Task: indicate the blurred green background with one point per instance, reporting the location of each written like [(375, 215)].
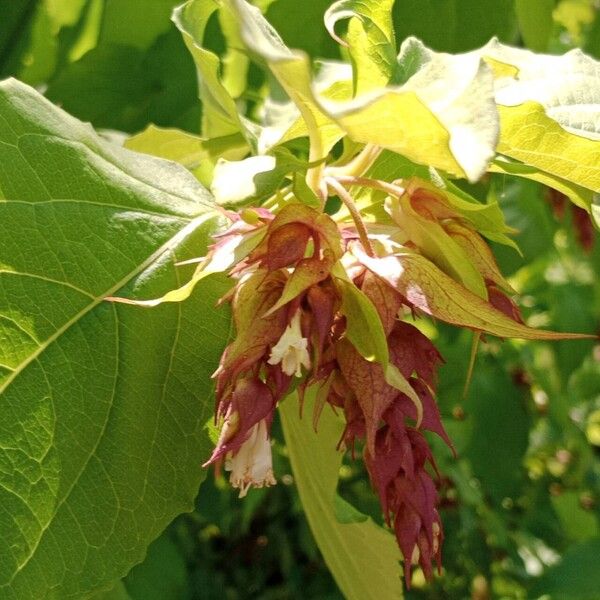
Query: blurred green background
[(521, 503)]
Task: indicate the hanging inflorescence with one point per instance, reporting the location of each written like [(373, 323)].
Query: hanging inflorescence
[(303, 286)]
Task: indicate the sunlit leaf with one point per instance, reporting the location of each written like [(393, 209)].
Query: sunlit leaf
[(550, 111), (444, 115), (438, 246), (370, 37), (220, 115), (544, 144), (185, 148), (293, 72), (103, 405), (430, 290), (578, 194)]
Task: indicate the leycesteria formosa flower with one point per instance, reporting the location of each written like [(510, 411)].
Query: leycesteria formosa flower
[(291, 351), (328, 304)]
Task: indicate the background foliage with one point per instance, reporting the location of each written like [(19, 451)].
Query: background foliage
[(521, 504)]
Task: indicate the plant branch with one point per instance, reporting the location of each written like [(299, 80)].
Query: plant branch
[(348, 201), (358, 165), (377, 184)]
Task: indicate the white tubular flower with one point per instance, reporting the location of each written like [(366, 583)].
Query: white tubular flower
[(291, 350), (252, 464)]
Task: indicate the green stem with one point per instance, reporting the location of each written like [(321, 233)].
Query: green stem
[(348, 201), (377, 184), (358, 165)]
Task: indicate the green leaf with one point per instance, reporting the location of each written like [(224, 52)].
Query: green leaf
[(103, 405), (117, 592), (544, 144), (333, 82), (455, 25), (579, 195), (299, 25), (438, 295), (535, 22), (122, 87), (193, 152), (346, 513), (38, 37), (444, 115), (487, 219), (357, 553), (575, 577), (363, 325), (558, 97), (220, 115), (370, 37), (122, 22), (163, 574), (435, 243), (292, 71)]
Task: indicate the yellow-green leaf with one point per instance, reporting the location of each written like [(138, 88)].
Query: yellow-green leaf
[(529, 135), (444, 115), (291, 69), (220, 115), (370, 37), (359, 553), (578, 194), (430, 290)]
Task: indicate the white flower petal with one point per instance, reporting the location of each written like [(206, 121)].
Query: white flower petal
[(291, 350), (252, 464)]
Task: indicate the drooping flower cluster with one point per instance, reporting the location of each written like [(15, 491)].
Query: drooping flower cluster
[(297, 280), (326, 305)]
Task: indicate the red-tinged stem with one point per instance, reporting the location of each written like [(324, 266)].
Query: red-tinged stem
[(348, 201)]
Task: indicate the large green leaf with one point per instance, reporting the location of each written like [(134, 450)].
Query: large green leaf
[(121, 22), (36, 36), (299, 24), (103, 405), (362, 557), (123, 87)]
